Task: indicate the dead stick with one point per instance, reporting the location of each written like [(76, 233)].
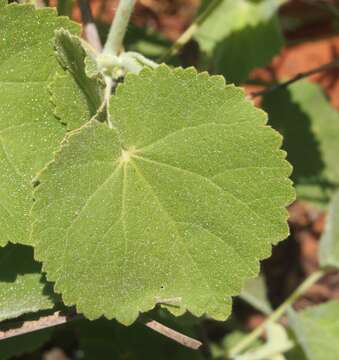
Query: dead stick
[(18, 328), (21, 328), (329, 66), (172, 334)]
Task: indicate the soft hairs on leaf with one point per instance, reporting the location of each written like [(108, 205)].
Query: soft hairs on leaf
[(76, 97), (179, 201), (29, 132)]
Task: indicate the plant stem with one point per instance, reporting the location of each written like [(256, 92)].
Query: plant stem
[(188, 34), (325, 67), (107, 95), (20, 328), (90, 29), (118, 28), (300, 290), (172, 334)]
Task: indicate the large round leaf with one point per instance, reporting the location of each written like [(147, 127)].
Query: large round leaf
[(176, 204)]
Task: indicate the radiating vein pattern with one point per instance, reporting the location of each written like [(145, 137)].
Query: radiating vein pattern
[(180, 200)]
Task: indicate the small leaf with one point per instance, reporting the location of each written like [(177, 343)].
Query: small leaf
[(316, 330), (255, 293), (246, 49), (329, 242), (29, 132), (77, 97), (166, 205), (239, 36), (276, 345), (22, 289), (310, 127)]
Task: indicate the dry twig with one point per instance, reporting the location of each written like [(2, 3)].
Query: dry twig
[(325, 67), (21, 328)]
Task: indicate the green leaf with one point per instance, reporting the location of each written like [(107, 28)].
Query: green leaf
[(64, 7), (277, 343), (296, 353), (76, 97), (329, 242), (22, 289), (166, 205), (247, 49), (24, 344), (255, 293), (29, 132), (103, 339), (146, 41), (310, 127), (240, 36), (231, 16), (317, 330), (222, 349)]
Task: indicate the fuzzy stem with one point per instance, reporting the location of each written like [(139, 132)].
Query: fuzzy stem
[(276, 315), (118, 28), (188, 34)]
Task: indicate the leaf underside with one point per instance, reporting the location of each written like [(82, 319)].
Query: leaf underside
[(168, 204)]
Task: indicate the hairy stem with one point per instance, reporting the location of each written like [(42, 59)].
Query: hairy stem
[(107, 95), (276, 315), (118, 28), (188, 34)]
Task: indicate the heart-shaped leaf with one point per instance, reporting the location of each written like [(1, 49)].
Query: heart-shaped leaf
[(174, 205)]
